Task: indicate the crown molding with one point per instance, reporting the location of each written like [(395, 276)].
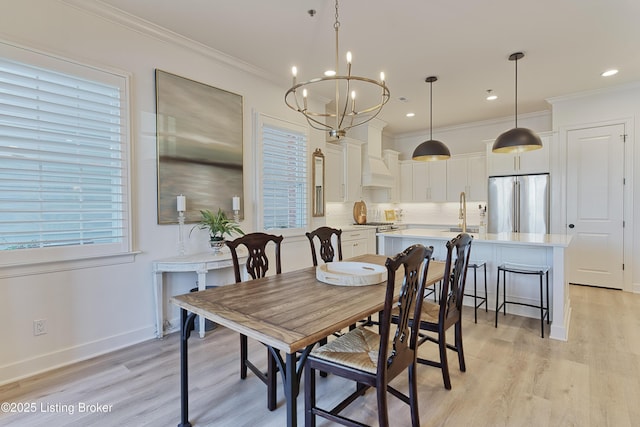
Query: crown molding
[(119, 17), (594, 92)]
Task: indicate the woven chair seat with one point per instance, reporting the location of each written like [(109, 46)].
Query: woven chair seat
[(357, 349)]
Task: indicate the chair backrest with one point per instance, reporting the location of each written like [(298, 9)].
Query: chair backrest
[(327, 250), (396, 354), (452, 290), (257, 261)]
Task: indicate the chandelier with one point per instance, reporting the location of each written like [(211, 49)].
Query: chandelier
[(344, 113)]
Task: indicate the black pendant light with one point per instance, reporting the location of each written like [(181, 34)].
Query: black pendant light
[(517, 139), (431, 150)]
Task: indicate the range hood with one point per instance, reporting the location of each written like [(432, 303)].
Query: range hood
[(375, 173)]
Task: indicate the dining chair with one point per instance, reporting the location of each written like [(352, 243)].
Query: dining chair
[(327, 248), (373, 359), (257, 266), (436, 318)]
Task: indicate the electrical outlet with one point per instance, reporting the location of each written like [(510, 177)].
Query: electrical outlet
[(39, 327)]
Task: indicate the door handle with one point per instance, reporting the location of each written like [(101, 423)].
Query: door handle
[(571, 225)]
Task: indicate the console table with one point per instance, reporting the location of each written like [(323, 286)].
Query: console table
[(201, 264)]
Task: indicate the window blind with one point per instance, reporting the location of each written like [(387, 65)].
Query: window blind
[(284, 183), (62, 167)]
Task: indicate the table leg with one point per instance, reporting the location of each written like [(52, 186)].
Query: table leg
[(291, 370), (202, 285), (158, 295), (186, 326)]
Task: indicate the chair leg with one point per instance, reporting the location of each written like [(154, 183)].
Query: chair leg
[(541, 309), (458, 338), (548, 306), (413, 395), (475, 295), (243, 356), (272, 379), (309, 396), (486, 298), (497, 296), (444, 363), (383, 416)]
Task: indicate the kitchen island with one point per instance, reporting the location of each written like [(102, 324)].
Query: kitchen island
[(495, 249)]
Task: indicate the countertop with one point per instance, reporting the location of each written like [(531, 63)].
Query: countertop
[(528, 239)]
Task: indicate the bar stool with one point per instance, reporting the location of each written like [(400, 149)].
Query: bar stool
[(483, 300), (540, 271)]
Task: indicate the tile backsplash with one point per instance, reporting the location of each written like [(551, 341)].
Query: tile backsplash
[(411, 213)]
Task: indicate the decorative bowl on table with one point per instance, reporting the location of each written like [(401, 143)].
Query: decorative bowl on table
[(351, 273)]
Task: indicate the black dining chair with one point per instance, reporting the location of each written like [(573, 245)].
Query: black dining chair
[(436, 318), (257, 266), (373, 359), (330, 242)]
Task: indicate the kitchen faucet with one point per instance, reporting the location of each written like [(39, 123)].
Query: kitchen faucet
[(463, 212)]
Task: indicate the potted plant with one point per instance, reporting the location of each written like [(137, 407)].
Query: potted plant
[(218, 225)]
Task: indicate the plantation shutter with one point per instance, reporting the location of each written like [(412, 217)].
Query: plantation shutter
[(62, 167), (284, 184)]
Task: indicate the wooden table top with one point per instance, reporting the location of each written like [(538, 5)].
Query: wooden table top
[(293, 310)]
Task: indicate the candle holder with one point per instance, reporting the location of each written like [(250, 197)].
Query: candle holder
[(236, 215), (181, 250)]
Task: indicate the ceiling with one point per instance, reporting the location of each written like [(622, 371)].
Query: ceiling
[(465, 43)]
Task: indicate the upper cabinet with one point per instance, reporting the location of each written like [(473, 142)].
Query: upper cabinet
[(343, 176), (423, 181), (352, 169), (334, 173), (528, 162), (468, 173)]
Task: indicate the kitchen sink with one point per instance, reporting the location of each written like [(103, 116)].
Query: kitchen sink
[(469, 229)]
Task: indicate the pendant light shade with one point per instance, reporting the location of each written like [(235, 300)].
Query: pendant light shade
[(517, 139), (431, 150)]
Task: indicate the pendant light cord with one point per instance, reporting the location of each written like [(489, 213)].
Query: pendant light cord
[(431, 110), (516, 103)]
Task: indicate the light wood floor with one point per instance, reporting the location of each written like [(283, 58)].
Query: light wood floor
[(513, 378)]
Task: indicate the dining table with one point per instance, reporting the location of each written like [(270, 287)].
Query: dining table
[(289, 313)]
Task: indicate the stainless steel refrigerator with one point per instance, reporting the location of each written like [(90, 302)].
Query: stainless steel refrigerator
[(518, 203)]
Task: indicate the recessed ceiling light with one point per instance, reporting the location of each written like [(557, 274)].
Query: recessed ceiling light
[(609, 73), (490, 96), (411, 114), (329, 73)]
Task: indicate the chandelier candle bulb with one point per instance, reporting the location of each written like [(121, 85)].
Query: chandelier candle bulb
[(181, 203), (382, 76)]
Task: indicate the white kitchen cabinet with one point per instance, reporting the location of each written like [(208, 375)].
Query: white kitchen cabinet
[(358, 242), (352, 169), (334, 173), (343, 176), (528, 162), (391, 195), (406, 181), (468, 173), (430, 181)]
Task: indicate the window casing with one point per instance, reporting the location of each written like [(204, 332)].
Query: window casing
[(283, 178), (64, 159)]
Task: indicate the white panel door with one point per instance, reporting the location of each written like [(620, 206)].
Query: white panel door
[(595, 174)]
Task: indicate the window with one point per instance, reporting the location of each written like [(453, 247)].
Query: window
[(284, 180), (63, 159)]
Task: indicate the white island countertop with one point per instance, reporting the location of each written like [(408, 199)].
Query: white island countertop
[(528, 239), (496, 249)]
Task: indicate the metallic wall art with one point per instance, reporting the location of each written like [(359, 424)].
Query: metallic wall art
[(199, 147)]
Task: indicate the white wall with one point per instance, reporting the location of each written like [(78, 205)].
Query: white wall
[(470, 137), (96, 310), (617, 105)]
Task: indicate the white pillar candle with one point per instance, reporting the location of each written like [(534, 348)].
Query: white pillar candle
[(236, 203), (181, 203)]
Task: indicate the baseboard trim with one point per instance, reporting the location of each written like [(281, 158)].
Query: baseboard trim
[(46, 362)]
